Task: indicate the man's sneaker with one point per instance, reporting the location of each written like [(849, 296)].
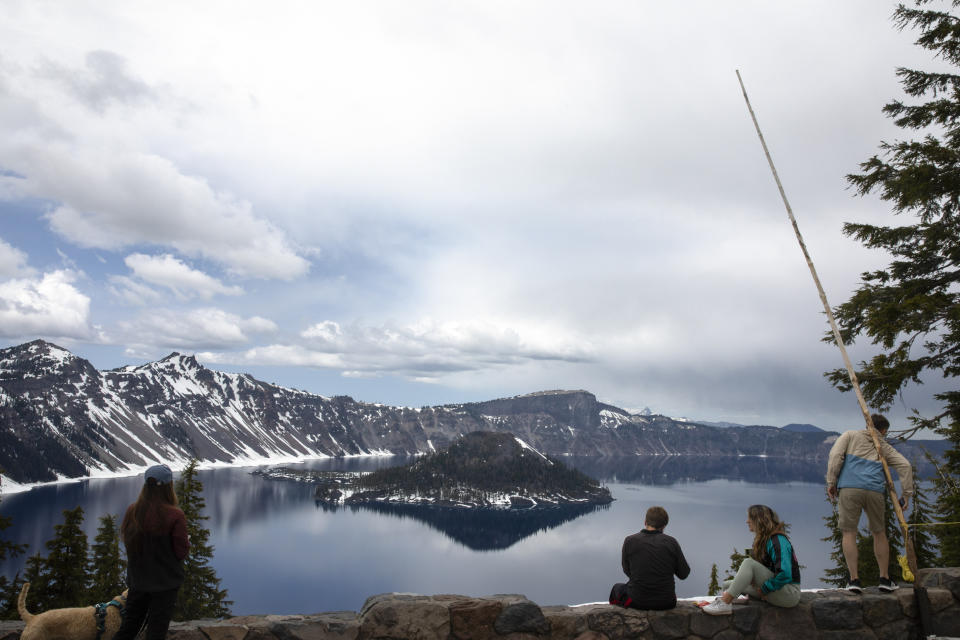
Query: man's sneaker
[(888, 585), (718, 608), (853, 586)]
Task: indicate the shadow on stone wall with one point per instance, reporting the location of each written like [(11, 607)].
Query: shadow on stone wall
[(823, 615)]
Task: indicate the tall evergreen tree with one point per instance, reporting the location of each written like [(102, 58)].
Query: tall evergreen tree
[(66, 563), (945, 486), (200, 595), (910, 308), (867, 568), (895, 536), (736, 559), (713, 588), (60, 579), (924, 539), (8, 549), (38, 575), (8, 598), (836, 574), (107, 564)]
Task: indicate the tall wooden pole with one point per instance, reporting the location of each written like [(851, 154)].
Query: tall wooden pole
[(908, 543)]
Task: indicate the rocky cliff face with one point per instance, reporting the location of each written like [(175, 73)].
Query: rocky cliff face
[(60, 417)]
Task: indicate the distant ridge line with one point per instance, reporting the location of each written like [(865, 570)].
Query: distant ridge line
[(62, 418)]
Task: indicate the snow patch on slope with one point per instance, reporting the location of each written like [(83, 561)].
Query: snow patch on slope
[(528, 447)]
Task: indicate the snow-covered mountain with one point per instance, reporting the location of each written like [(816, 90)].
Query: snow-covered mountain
[(62, 418)]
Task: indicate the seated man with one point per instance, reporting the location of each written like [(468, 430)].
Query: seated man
[(650, 559)]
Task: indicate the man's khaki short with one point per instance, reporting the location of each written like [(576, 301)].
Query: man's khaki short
[(855, 501)]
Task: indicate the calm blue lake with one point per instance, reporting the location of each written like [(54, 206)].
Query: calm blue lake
[(277, 551)]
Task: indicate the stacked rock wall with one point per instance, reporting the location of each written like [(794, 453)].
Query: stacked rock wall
[(823, 615)]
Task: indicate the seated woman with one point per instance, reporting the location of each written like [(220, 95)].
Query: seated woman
[(772, 573)]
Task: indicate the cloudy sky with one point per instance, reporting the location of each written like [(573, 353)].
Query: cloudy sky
[(428, 201)]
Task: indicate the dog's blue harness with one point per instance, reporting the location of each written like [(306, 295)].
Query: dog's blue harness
[(100, 613)]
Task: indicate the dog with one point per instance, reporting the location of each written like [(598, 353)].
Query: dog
[(75, 623)]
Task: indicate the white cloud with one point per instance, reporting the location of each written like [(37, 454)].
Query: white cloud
[(283, 355), (49, 306), (185, 282), (203, 328), (579, 208), (133, 292), (490, 338), (257, 324), (13, 262), (112, 199), (104, 80), (108, 186), (423, 350)]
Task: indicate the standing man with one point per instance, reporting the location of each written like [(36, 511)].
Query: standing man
[(855, 474), (650, 558)]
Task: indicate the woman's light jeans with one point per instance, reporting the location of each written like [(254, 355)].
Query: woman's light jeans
[(751, 575)]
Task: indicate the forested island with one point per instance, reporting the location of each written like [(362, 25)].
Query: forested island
[(480, 470)]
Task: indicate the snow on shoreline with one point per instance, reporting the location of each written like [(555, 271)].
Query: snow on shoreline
[(696, 599), (8, 486)]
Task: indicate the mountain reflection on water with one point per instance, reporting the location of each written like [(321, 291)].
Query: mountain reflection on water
[(496, 529), (277, 552), (480, 529)]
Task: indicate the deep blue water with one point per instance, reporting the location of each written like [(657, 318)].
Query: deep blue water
[(277, 551)]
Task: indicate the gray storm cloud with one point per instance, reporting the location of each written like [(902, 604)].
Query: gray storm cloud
[(487, 197)]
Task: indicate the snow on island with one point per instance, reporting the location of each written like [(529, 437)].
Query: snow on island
[(480, 470)]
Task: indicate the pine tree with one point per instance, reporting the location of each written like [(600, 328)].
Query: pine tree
[(107, 564), (60, 579), (736, 559), (200, 595), (713, 588), (947, 489), (836, 575), (895, 536), (38, 575), (867, 568), (66, 562), (946, 486), (8, 598), (8, 549), (921, 513), (910, 308)]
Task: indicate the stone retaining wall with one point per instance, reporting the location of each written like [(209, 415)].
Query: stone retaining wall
[(823, 615)]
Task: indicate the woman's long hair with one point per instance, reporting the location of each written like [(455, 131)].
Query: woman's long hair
[(766, 524), (153, 498)]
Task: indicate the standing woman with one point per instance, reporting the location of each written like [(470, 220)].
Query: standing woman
[(771, 573), (154, 531)]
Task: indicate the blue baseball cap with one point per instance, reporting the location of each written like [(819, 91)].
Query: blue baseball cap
[(160, 473)]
